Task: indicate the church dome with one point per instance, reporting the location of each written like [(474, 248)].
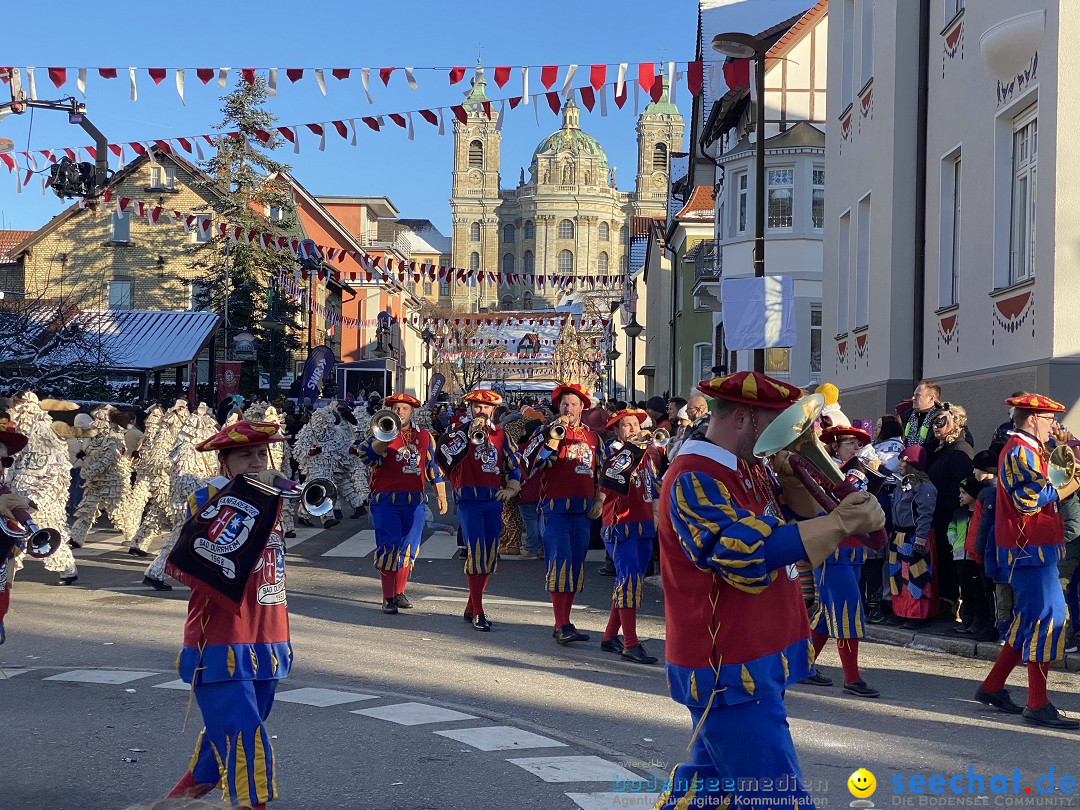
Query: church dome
[(570, 138)]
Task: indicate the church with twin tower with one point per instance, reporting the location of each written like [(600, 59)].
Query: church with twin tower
[(567, 216)]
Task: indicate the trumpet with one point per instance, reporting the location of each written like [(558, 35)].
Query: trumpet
[(39, 543), (557, 430), (385, 426), (478, 430), (1061, 466), (317, 496), (657, 438)]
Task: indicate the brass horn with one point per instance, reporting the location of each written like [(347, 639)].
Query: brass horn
[(478, 430), (317, 495), (793, 430), (661, 437), (385, 426), (557, 430), (1061, 466), (39, 543)]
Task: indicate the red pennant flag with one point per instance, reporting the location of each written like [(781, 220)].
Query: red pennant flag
[(342, 130), (549, 74), (58, 75), (157, 74), (315, 128), (398, 119), (248, 75), (430, 117), (646, 72), (294, 74), (163, 146), (9, 161), (287, 134), (116, 149), (597, 76), (107, 73), (620, 98), (502, 75), (340, 73), (384, 74), (137, 148), (487, 109), (657, 89), (185, 144), (204, 74), (371, 122), (736, 74), (459, 113), (695, 76), (70, 153), (588, 98), (262, 135), (457, 74), (553, 101)]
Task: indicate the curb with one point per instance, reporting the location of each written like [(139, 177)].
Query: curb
[(966, 648)]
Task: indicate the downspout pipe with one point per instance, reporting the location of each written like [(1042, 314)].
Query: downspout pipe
[(921, 115)]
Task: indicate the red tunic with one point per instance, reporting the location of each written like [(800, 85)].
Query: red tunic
[(1034, 535), (481, 471), (636, 506), (572, 473), (402, 468)]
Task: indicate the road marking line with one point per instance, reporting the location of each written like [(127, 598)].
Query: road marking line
[(439, 547), (413, 714), (302, 533), (360, 544), (11, 673), (113, 676), (574, 769), (495, 600), (310, 696), (178, 685), (500, 738), (609, 801), (140, 588)]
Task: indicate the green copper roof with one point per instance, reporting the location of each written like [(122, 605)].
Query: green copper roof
[(663, 106), (570, 138)]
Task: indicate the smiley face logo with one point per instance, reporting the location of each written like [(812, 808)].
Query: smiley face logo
[(862, 784)]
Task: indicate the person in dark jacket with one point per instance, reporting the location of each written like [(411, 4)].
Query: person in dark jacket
[(948, 463), (912, 555)]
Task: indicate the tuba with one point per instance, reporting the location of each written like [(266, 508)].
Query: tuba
[(793, 431), (478, 430), (1061, 466), (385, 426)]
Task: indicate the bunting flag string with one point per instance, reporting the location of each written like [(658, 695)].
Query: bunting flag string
[(576, 321), (549, 76), (190, 146), (550, 360)]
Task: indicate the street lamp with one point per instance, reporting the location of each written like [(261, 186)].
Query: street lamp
[(427, 336), (748, 46), (633, 331)]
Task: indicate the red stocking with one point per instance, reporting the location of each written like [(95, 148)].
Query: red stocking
[(1037, 673), (1006, 662), (613, 624), (819, 640), (628, 617), (388, 580), (402, 578), (188, 788), (560, 605), (477, 584), (848, 648)]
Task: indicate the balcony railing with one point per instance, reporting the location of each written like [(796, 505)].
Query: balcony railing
[(708, 260)]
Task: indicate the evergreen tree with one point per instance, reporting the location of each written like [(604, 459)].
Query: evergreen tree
[(244, 275)]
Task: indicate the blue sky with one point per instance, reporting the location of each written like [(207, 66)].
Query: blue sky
[(415, 175)]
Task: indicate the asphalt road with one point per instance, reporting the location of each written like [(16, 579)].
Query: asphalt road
[(342, 740)]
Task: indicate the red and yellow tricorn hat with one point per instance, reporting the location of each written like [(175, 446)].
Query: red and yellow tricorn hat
[(402, 399), (242, 434), (839, 433), (751, 388), (618, 416), (1035, 402), (485, 396), (571, 388)]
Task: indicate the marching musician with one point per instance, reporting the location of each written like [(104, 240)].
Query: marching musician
[(737, 630), (1029, 539), (568, 456), (399, 468), (233, 656), (484, 468), (630, 488), (11, 442)]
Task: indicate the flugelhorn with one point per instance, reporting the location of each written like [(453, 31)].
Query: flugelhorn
[(385, 426), (661, 437), (478, 430), (1061, 466)]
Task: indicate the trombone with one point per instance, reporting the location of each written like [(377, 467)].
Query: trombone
[(385, 426)]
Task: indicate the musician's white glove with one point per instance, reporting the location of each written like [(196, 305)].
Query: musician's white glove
[(511, 489), (596, 509)]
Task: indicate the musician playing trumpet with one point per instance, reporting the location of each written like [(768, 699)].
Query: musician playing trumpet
[(399, 468), (484, 467)]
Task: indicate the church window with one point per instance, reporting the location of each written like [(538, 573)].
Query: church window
[(659, 157), (508, 263), (622, 263), (566, 262), (624, 236), (508, 233), (602, 263), (474, 232), (566, 229), (527, 262), (530, 229), (605, 232), (474, 261), (526, 300), (476, 155)]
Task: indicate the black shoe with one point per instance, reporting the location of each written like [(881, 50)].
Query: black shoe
[(638, 655), (894, 620), (817, 679), (613, 645), (606, 570), (331, 523), (467, 616), (999, 700), (402, 601), (290, 535), (138, 552), (1049, 716), (358, 512), (917, 624), (67, 580), (74, 544), (860, 688), (481, 623), (460, 554), (156, 584), (389, 607), (568, 634)]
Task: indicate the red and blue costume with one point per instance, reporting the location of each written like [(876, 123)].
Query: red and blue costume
[(737, 631)]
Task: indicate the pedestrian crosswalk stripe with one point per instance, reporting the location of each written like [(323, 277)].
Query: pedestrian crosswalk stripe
[(177, 684), (11, 673), (439, 547), (320, 697), (112, 676), (360, 544), (496, 600), (98, 543), (500, 738), (414, 714), (574, 769), (608, 801), (302, 533)]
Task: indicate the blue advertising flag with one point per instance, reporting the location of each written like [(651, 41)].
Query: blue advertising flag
[(317, 370)]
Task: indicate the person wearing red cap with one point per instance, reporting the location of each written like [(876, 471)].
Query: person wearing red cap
[(233, 656), (1029, 539), (737, 630), (839, 612), (629, 529), (485, 476), (398, 471), (568, 468), (11, 442), (912, 550)]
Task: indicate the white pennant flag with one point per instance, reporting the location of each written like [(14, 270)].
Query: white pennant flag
[(442, 124), (271, 82), (567, 90), (296, 140), (408, 117), (536, 110), (320, 80), (131, 80), (365, 77), (620, 82), (180, 85), (222, 76), (672, 77), (502, 112), (525, 85), (30, 84), (81, 82), (322, 137), (603, 101), (352, 130), (410, 78), (198, 149)]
